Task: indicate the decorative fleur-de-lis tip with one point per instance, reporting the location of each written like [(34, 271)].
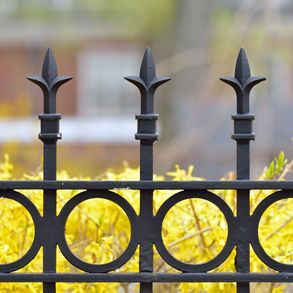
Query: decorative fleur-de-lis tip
[(147, 69), (49, 70), (242, 69), (242, 80), (49, 79), (147, 79)]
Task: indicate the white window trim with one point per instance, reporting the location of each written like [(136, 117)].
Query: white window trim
[(75, 130)]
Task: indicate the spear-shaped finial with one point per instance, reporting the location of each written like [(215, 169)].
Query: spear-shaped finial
[(49, 71), (243, 82), (147, 69), (49, 82), (147, 82), (242, 70)]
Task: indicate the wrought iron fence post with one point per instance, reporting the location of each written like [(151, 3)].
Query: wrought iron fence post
[(147, 83), (49, 83), (242, 84)]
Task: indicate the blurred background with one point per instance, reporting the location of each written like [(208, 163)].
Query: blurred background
[(99, 42)]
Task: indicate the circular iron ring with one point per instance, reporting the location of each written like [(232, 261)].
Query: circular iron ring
[(72, 258), (36, 217), (216, 261), (255, 242)]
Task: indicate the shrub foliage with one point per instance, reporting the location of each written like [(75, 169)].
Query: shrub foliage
[(194, 231)]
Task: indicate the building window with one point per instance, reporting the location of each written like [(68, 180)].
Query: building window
[(101, 87)]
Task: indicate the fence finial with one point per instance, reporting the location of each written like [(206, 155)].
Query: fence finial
[(242, 69), (49, 82), (147, 69), (147, 81), (242, 82), (49, 71)]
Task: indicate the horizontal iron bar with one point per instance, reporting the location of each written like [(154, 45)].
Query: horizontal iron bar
[(147, 277), (143, 185)]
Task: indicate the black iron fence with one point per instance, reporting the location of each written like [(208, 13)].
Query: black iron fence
[(146, 227)]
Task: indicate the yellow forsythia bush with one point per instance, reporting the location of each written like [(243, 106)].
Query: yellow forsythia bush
[(98, 231)]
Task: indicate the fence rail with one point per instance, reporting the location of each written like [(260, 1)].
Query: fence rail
[(146, 228)]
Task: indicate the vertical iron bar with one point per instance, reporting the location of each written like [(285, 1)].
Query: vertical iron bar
[(242, 84), (49, 82), (147, 82), (49, 207)]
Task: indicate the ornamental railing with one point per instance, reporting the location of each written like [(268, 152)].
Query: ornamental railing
[(146, 227)]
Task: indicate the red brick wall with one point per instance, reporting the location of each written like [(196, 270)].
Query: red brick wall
[(18, 96)]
